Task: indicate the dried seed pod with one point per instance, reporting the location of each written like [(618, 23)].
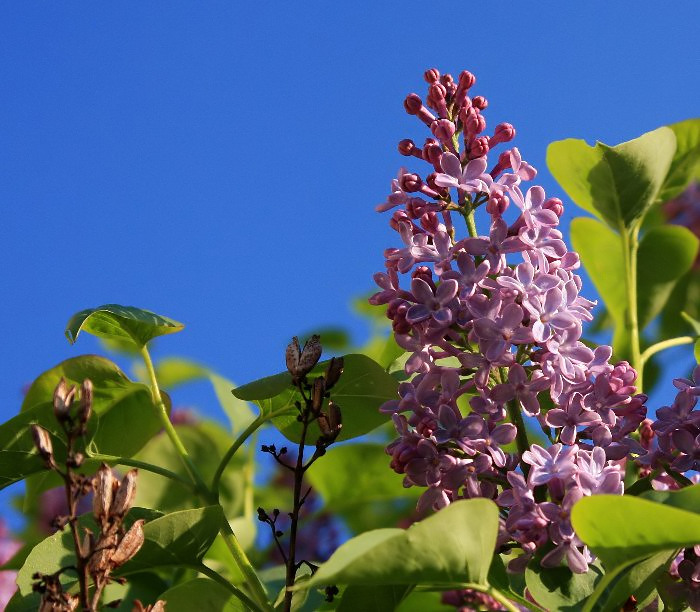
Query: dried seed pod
[(103, 486), (159, 606), (85, 403), (124, 497), (62, 400), (310, 355), (333, 371), (130, 544), (102, 553), (292, 356), (335, 418), (317, 392), (42, 441)]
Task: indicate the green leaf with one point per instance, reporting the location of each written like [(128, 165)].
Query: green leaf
[(687, 498), (421, 601), (686, 162), (145, 587), (617, 184), (452, 546), (119, 405), (206, 443), (558, 588), (57, 551), (201, 594), (124, 323), (369, 498), (665, 254), (639, 580), (238, 411), (600, 250), (177, 539), (24, 603), (372, 598), (361, 390), (175, 371), (633, 527)]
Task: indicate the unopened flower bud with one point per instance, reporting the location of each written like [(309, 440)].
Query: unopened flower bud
[(317, 393), (131, 544), (103, 486), (333, 371), (410, 182), (498, 203), (479, 147), (62, 400), (431, 75), (432, 153), (554, 204), (413, 104), (480, 102), (42, 441), (407, 147), (504, 132), (443, 129), (124, 497)]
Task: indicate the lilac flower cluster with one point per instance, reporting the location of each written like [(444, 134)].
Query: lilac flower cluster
[(492, 324)]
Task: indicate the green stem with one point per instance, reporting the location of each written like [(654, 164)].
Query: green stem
[(245, 434), (207, 571), (664, 344), (471, 224), (148, 467), (630, 246), (168, 426), (239, 556)]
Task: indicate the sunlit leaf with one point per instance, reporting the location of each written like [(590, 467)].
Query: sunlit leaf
[(121, 323)]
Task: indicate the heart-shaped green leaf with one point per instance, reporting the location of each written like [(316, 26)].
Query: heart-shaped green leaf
[(122, 323), (201, 594), (686, 162), (617, 184)]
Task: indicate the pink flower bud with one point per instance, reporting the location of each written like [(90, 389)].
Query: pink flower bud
[(431, 75), (554, 204), (498, 203), (410, 182), (449, 83), (413, 104), (504, 132), (466, 82), (480, 102), (407, 147), (432, 153), (443, 130), (436, 98), (479, 147)]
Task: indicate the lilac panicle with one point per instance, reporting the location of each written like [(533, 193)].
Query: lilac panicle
[(500, 316)]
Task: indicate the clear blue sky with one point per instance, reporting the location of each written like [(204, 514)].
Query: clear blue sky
[(219, 162)]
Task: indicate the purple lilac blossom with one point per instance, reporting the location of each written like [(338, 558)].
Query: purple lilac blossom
[(8, 547), (500, 317)]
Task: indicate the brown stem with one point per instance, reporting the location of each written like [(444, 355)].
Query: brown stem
[(298, 501), (72, 500)]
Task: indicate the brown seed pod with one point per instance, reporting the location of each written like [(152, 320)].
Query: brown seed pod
[(124, 497), (62, 399), (333, 371), (103, 486), (42, 441), (130, 544)]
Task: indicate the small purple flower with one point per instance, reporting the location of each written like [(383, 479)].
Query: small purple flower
[(432, 304), (555, 462), (520, 388), (568, 420), (495, 247), (467, 180)]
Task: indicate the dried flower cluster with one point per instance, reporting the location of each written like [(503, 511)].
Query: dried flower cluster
[(98, 552), (493, 326)]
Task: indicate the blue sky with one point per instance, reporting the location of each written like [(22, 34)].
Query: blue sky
[(219, 162)]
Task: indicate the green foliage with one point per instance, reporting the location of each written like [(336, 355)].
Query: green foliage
[(617, 184), (361, 390), (452, 546), (666, 253), (201, 594), (686, 162), (634, 527), (558, 588), (121, 323), (118, 405), (372, 598), (366, 498)]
